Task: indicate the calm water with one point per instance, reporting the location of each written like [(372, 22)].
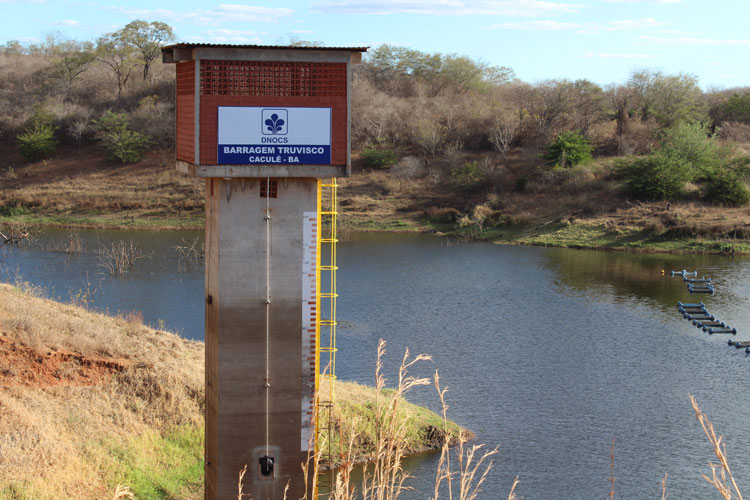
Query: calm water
[(549, 353)]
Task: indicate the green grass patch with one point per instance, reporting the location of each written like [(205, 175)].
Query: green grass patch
[(158, 467), (108, 220), (15, 491), (356, 405)]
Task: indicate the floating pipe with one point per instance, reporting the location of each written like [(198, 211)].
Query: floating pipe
[(691, 308), (707, 328), (699, 315), (702, 290), (747, 350), (707, 317), (699, 304), (708, 324), (738, 343), (702, 280), (733, 331), (696, 314), (684, 273), (707, 285)]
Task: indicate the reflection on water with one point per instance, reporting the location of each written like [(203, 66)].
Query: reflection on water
[(550, 353)]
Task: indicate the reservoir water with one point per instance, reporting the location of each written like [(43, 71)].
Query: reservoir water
[(549, 353)]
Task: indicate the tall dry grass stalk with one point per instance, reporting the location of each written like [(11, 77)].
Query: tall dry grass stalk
[(122, 492), (512, 494), (472, 465), (384, 477), (459, 475), (612, 470), (240, 483), (721, 475)]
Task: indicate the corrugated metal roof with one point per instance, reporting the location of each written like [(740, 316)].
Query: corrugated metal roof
[(274, 47)]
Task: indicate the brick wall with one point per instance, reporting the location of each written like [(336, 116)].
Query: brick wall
[(185, 136), (282, 84)]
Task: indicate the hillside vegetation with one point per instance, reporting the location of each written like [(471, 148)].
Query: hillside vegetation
[(442, 143), (89, 401)]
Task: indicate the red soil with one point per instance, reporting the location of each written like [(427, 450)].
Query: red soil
[(23, 365)]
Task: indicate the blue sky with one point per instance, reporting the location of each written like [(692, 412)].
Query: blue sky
[(601, 40)]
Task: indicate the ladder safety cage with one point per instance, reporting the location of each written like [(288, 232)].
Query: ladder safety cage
[(328, 197)]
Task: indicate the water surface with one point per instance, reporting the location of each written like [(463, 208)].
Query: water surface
[(549, 353)]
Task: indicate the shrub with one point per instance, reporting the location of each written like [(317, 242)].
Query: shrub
[(693, 145), (378, 158), (123, 144), (568, 149), (728, 188), (658, 176), (467, 176), (38, 141)]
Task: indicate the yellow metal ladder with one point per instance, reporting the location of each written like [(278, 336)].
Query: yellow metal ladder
[(328, 197)]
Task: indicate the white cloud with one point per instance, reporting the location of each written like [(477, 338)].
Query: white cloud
[(617, 55), (222, 14), (67, 22), (628, 24), (581, 28), (520, 8), (644, 1), (708, 42), (537, 26), (233, 36)]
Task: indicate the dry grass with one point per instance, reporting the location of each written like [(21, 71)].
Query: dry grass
[(383, 478), (58, 441), (721, 476), (83, 187)]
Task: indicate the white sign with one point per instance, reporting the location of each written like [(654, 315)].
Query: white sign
[(268, 135)]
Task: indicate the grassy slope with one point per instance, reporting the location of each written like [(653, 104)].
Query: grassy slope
[(72, 431), (584, 209)]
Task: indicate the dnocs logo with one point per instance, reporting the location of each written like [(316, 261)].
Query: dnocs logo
[(274, 121)]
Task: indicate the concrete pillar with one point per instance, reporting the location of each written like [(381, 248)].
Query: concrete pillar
[(236, 336)]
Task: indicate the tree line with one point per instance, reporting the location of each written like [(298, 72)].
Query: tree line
[(405, 102)]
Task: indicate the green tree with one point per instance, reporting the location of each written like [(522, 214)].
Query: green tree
[(568, 149), (668, 99), (727, 188), (396, 70), (694, 147), (468, 176), (74, 62), (378, 158), (737, 108), (38, 141), (123, 144), (147, 38), (658, 176), (116, 53)]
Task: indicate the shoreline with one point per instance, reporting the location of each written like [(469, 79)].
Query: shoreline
[(136, 393), (520, 235)]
